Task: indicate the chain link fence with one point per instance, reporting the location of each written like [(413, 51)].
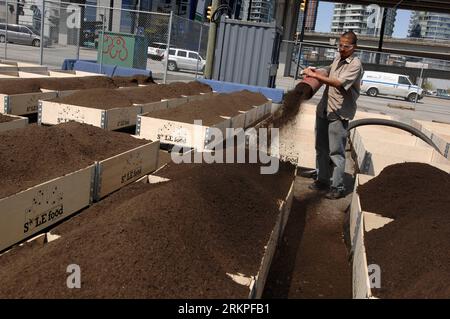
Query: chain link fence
[(188, 44), (20, 29), (109, 36)]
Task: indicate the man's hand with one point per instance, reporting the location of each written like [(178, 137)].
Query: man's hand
[(310, 72)]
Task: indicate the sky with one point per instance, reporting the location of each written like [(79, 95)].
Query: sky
[(325, 15)]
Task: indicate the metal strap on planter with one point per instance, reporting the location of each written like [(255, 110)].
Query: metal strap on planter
[(104, 120), (6, 105), (138, 125), (97, 181), (94, 184), (39, 119)]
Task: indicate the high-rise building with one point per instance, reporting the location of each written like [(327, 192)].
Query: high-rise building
[(311, 16), (260, 10), (364, 20), (429, 25), (432, 26)]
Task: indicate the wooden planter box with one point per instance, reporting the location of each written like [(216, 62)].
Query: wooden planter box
[(19, 122), (125, 168), (439, 133), (29, 212), (360, 222), (373, 155), (55, 113), (6, 65), (258, 282), (32, 210), (22, 104), (178, 133), (170, 103)]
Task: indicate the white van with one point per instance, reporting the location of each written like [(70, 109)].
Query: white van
[(398, 85)]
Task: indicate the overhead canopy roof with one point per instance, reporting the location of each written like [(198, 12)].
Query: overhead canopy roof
[(442, 6)]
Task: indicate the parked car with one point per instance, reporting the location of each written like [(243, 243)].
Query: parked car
[(21, 34), (381, 83), (184, 59), (156, 50)]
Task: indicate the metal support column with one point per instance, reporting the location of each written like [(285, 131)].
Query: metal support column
[(302, 36), (41, 59), (166, 60), (211, 43), (382, 29), (291, 11)]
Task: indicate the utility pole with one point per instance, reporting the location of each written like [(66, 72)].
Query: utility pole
[(382, 28), (211, 42)]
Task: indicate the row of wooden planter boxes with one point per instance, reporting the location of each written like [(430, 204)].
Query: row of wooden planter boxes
[(27, 103), (166, 131), (20, 218), (32, 210), (254, 282), (17, 122)]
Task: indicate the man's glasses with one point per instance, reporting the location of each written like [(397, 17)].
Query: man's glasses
[(345, 46)]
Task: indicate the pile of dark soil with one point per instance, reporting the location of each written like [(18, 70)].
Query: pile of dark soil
[(6, 118), (278, 190), (177, 239), (150, 94), (21, 85), (190, 88), (407, 189), (18, 86), (210, 110), (97, 98), (124, 97), (292, 103), (76, 83), (124, 81), (412, 251), (35, 154)]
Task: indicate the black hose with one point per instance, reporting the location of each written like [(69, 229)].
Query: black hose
[(399, 125)]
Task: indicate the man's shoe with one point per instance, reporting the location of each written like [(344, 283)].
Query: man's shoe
[(319, 186), (311, 173), (335, 194)]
